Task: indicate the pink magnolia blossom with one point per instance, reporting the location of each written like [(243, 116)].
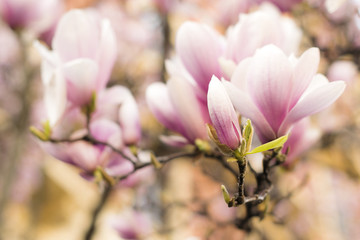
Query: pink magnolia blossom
[(228, 11), (199, 47), (301, 137), (177, 107), (222, 115), (283, 5), (84, 51), (275, 91), (132, 225), (38, 15), (118, 104), (165, 6), (87, 156), (344, 70), (257, 29)]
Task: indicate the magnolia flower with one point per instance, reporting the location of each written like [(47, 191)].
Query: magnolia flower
[(301, 137), (88, 156), (176, 106), (275, 91), (199, 47), (118, 104), (38, 15), (342, 69), (132, 225), (222, 115), (257, 29), (164, 6), (284, 5), (77, 67)]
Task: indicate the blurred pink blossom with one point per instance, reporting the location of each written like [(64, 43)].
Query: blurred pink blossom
[(301, 137), (275, 91), (259, 28), (36, 15), (132, 225), (199, 47), (89, 156), (118, 104), (177, 107), (76, 67), (342, 70), (283, 5)]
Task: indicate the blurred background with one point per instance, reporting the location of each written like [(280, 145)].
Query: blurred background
[(317, 193)]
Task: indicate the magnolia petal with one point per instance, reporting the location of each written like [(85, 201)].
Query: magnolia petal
[(240, 74), (304, 72), (129, 119), (54, 92), (107, 131), (222, 115), (159, 102), (174, 140), (315, 101), (46, 54), (243, 103), (72, 29), (107, 54), (80, 77), (84, 155), (189, 110), (301, 137), (227, 66), (199, 48), (268, 83)]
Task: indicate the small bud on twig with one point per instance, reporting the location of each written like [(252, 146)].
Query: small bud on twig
[(226, 194), (155, 161), (39, 134)]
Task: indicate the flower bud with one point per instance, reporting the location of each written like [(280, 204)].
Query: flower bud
[(223, 115)]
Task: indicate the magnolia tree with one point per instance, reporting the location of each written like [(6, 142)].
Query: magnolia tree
[(235, 90)]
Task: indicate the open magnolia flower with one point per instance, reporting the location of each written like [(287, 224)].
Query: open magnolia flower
[(275, 91), (76, 69)]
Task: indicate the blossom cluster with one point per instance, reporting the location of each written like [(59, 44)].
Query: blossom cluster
[(261, 76), (229, 81)]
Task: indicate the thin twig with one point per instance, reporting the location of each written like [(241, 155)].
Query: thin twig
[(162, 160), (105, 195)]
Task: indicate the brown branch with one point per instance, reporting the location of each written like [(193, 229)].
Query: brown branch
[(219, 158), (104, 197), (162, 160)]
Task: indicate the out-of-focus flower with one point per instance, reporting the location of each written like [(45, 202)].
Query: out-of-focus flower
[(228, 11), (84, 51), (283, 5), (199, 48), (344, 70), (118, 104), (223, 115), (275, 91), (342, 113), (9, 54), (301, 137), (37, 15), (176, 106), (132, 225), (257, 29), (164, 5), (88, 156), (336, 10)]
